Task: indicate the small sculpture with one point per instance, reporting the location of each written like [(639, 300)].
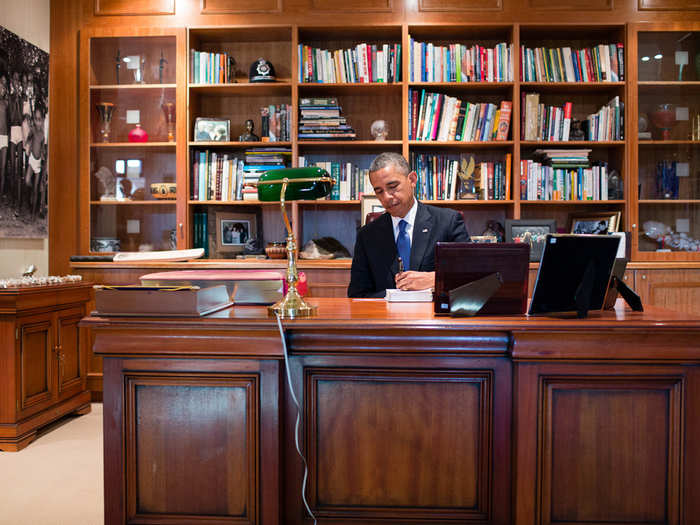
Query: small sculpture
[(249, 136), (108, 184), (261, 71), (379, 130), (577, 130), (466, 175)]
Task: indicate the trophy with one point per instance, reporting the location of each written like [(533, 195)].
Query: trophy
[(105, 110), (169, 111)]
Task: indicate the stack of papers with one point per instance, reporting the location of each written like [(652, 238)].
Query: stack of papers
[(394, 295)]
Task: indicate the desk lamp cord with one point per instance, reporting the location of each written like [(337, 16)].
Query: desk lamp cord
[(298, 421)]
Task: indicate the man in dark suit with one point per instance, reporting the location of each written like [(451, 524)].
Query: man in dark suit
[(408, 227)]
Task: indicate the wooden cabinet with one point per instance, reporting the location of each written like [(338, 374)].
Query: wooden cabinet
[(665, 126), (669, 288), (43, 354)]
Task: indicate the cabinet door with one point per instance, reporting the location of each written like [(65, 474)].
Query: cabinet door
[(69, 352), (35, 364), (672, 289)]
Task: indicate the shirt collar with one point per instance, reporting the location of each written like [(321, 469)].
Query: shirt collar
[(410, 217)]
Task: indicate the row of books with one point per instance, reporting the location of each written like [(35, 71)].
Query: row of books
[(276, 123), (541, 122), (548, 183), (364, 63), (211, 68), (600, 63), (443, 177), (201, 233), (460, 63), (351, 180), (320, 118), (436, 116), (218, 176)]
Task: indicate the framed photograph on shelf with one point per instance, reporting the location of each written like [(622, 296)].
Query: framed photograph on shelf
[(212, 130), (233, 230), (531, 231), (594, 223), (370, 204)]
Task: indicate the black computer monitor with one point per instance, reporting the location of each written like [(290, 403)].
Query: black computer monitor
[(574, 273)]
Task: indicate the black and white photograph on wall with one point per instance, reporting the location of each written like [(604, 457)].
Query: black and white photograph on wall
[(24, 126)]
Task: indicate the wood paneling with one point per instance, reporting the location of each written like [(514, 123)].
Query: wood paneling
[(365, 424), (576, 5), (610, 454), (668, 5), (210, 469), (673, 289), (460, 5), (129, 7), (358, 6), (220, 7)]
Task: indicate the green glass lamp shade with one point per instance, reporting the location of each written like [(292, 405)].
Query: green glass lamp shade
[(311, 183)]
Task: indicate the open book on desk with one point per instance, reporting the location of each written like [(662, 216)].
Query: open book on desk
[(394, 295)]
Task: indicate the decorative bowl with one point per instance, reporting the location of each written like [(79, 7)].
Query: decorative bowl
[(164, 190), (276, 250)]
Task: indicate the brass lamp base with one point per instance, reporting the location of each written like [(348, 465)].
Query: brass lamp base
[(292, 305)]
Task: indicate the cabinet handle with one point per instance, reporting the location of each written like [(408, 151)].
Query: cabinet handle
[(634, 226), (181, 229), (644, 276)]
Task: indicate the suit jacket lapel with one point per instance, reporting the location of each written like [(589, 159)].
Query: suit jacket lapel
[(422, 233)]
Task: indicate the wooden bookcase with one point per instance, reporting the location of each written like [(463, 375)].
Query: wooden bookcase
[(162, 224)]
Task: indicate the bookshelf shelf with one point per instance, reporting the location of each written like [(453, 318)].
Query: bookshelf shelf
[(574, 144), (169, 202), (572, 87), (233, 203), (669, 142), (467, 202), (282, 87), (669, 202), (374, 144), (130, 87), (486, 144), (348, 88), (237, 144), (571, 203), (132, 145)]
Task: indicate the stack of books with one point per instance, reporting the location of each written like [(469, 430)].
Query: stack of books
[(320, 119), (259, 161), (436, 116), (364, 63), (563, 175), (460, 63), (600, 63)]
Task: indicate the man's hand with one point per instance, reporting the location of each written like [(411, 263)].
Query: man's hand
[(415, 280)]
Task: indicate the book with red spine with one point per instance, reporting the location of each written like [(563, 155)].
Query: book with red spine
[(506, 111)]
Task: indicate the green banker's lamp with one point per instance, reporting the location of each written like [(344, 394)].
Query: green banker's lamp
[(293, 184)]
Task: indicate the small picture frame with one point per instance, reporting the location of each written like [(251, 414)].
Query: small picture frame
[(601, 223), (532, 231), (212, 130), (369, 204), (234, 230)]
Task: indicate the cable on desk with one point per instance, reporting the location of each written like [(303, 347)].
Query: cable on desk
[(298, 421)]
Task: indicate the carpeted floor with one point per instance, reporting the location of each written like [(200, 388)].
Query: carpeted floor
[(57, 479)]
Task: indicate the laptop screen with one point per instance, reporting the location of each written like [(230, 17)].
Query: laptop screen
[(459, 263), (573, 266)]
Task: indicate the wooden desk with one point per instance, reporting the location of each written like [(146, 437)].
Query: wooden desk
[(408, 418)]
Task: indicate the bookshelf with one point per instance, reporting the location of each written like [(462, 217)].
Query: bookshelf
[(636, 89)]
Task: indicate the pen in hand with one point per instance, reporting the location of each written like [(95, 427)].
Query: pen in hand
[(400, 265)]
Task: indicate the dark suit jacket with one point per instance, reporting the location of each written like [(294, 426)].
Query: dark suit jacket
[(375, 262)]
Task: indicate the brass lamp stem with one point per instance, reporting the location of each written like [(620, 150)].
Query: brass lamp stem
[(292, 304)]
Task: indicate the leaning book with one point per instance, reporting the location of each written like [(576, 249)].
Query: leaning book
[(156, 301)]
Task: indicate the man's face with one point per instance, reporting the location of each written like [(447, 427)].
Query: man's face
[(394, 190)]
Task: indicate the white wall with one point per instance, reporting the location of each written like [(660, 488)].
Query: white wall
[(28, 19)]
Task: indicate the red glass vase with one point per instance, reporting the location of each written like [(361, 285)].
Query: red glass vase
[(138, 134)]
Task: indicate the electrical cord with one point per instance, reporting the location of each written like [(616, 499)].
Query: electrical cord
[(298, 421)]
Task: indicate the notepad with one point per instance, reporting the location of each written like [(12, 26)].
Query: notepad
[(394, 295)]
